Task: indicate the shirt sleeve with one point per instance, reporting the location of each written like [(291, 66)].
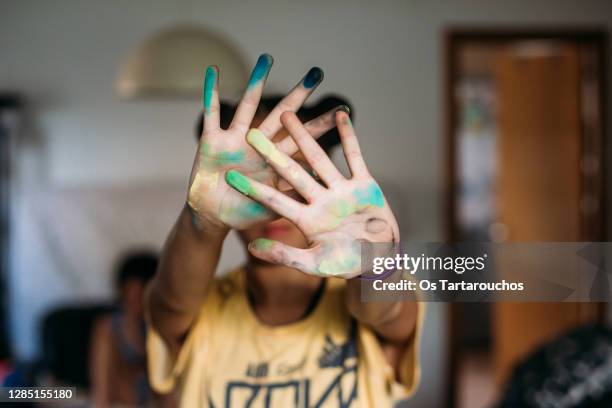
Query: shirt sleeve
[(164, 368), (380, 375)]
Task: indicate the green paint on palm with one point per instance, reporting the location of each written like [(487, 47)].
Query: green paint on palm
[(371, 195), (209, 86), (251, 210), (239, 182), (225, 158), (342, 209), (242, 210), (212, 161)]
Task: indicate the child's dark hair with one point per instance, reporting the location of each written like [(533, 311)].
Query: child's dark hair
[(306, 113), (139, 265)]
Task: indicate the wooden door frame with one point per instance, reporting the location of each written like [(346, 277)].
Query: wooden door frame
[(453, 39)]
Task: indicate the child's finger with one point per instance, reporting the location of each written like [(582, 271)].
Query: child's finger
[(285, 166), (350, 146), (278, 253), (211, 99), (265, 195), (248, 104), (316, 127), (314, 154), (292, 102)]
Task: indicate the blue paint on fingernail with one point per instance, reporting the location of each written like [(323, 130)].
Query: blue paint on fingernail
[(313, 77), (262, 67), (209, 86)]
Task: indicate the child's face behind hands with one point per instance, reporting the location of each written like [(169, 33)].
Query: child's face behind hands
[(281, 230)]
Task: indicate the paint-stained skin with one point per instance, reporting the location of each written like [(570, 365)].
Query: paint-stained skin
[(210, 199), (313, 77), (245, 210), (261, 70), (209, 86), (213, 160), (239, 182), (371, 195), (235, 173), (262, 144), (337, 218), (262, 244)]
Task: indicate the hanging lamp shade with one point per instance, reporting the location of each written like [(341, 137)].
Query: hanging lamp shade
[(172, 63)]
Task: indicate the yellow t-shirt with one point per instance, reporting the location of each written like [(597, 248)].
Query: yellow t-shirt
[(327, 359)]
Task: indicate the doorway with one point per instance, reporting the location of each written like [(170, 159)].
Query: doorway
[(524, 141)]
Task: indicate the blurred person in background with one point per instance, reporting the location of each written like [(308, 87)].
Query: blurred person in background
[(117, 354)]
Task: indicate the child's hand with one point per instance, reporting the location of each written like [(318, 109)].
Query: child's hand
[(211, 200), (336, 219)]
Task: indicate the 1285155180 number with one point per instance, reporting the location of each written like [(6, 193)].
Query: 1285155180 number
[(36, 393)]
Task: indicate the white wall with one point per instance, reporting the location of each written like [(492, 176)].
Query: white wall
[(385, 56)]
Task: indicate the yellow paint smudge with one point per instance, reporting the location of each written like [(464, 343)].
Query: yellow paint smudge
[(263, 145), (208, 181)]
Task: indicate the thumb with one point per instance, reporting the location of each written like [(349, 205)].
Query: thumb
[(281, 254)]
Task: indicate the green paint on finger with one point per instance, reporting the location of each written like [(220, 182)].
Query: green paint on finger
[(239, 182), (262, 244), (209, 86), (371, 195)]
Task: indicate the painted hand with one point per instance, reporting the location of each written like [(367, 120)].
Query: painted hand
[(336, 220), (211, 200)]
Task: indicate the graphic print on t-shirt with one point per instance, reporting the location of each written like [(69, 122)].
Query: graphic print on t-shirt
[(336, 381)]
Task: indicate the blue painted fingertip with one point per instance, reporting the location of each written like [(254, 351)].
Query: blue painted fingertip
[(313, 77), (261, 69)]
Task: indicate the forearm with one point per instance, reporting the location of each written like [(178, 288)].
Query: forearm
[(393, 321), (187, 266)]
